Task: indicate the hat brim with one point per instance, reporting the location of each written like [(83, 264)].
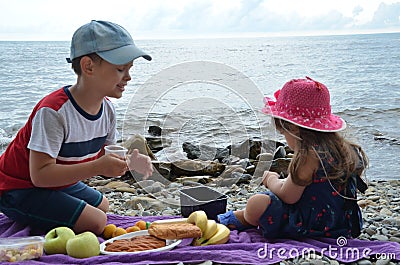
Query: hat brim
[(123, 55), (331, 123)]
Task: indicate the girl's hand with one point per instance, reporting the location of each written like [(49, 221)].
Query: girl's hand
[(112, 165), (140, 163), (269, 175)]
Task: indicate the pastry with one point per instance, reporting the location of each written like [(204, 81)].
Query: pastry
[(174, 230), (137, 243)]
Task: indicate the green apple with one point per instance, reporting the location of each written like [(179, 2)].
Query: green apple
[(56, 240), (84, 245)]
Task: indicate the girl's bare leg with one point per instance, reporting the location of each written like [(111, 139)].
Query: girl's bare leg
[(255, 207)]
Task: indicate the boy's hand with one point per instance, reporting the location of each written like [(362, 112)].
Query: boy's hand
[(140, 163), (112, 165)]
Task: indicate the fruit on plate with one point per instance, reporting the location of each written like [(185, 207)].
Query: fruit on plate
[(109, 230), (83, 245), (56, 240), (200, 219), (119, 231), (220, 237), (141, 224), (210, 231), (133, 228)]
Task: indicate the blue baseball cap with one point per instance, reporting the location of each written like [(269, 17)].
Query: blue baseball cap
[(110, 41)]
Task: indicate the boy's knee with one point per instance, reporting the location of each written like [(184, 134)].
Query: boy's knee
[(91, 219), (101, 221)]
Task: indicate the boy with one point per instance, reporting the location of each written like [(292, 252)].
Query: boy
[(62, 142)]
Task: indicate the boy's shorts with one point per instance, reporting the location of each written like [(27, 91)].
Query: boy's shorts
[(45, 208)]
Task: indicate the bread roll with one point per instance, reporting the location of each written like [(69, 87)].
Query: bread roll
[(174, 231)]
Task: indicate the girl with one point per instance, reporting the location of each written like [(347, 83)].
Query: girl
[(318, 198)]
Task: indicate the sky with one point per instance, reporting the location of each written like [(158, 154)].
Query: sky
[(160, 19)]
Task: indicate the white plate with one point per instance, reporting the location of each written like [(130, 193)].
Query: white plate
[(170, 244)]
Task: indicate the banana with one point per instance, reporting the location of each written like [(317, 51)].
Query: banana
[(220, 237), (171, 221), (200, 219), (211, 229)]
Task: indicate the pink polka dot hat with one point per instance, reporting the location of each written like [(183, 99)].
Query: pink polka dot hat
[(306, 103)]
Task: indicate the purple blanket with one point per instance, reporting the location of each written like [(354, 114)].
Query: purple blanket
[(243, 248)]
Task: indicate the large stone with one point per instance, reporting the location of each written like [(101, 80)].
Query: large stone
[(196, 168), (116, 184), (137, 141), (154, 130), (145, 202), (251, 148), (205, 152)]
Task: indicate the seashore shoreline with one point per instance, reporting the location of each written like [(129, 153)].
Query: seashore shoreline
[(380, 207), (238, 179)]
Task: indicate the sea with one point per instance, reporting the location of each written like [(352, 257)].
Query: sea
[(210, 91)]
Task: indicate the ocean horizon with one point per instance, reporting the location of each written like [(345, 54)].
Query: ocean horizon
[(361, 72)]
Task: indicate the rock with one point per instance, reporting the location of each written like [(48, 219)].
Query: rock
[(116, 184), (279, 153), (154, 188), (385, 212), (230, 169), (157, 143), (382, 261), (99, 182), (226, 182), (264, 163), (280, 165), (137, 141), (379, 237), (196, 167), (242, 178), (163, 168), (144, 183), (394, 239), (374, 198), (370, 231), (199, 179), (145, 202), (251, 148), (154, 130), (204, 152), (231, 160), (126, 189), (365, 203), (364, 262)]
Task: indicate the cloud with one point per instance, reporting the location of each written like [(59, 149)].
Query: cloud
[(251, 16), (55, 20), (259, 16), (386, 16)]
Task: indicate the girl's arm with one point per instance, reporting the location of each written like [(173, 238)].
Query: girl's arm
[(286, 189)]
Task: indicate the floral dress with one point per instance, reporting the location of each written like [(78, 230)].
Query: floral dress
[(320, 212)]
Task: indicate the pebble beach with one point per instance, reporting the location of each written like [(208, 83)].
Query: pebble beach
[(128, 195)]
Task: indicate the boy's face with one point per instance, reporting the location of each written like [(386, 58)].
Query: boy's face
[(111, 79)]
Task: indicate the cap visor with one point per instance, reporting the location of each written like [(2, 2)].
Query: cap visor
[(123, 55)]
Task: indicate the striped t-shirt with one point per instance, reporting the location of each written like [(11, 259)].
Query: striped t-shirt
[(58, 127)]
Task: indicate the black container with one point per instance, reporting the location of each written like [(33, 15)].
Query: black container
[(203, 198)]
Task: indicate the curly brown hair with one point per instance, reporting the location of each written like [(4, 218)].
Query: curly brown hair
[(344, 157)]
